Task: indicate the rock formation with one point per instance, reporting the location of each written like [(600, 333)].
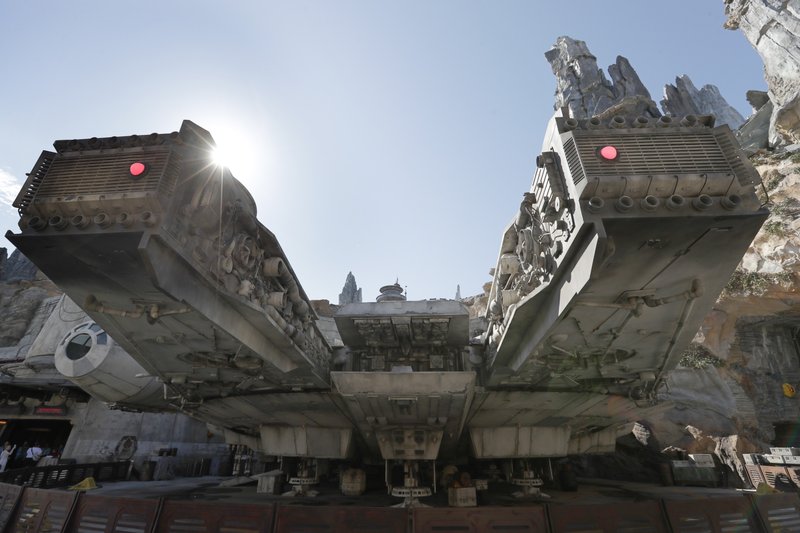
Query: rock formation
[(773, 27), (684, 98), (16, 268), (753, 135), (350, 293), (583, 88)]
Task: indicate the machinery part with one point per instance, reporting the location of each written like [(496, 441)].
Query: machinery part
[(702, 202), (307, 476), (623, 204), (91, 359), (411, 490)]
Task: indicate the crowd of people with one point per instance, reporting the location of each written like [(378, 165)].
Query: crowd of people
[(13, 456)]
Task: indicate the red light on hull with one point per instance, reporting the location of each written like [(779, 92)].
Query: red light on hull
[(609, 153), (138, 169)]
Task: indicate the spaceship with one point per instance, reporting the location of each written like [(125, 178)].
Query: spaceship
[(628, 233)]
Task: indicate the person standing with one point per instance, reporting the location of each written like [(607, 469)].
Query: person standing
[(18, 460), (5, 455), (33, 454)]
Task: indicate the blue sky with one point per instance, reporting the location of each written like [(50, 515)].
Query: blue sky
[(393, 139)]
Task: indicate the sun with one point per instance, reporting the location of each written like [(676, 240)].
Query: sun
[(235, 150), (222, 157)]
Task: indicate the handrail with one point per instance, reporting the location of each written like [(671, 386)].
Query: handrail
[(52, 476)]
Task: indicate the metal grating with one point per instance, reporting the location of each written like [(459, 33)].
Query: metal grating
[(741, 167), (101, 514), (729, 515), (639, 517), (778, 512), (482, 520), (9, 496), (794, 474), (28, 192), (771, 472), (573, 161), (650, 153), (106, 173), (43, 511), (755, 475), (785, 520), (203, 517), (291, 519)]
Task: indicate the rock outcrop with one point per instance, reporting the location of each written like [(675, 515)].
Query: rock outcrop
[(584, 88), (753, 135), (773, 28), (17, 267), (350, 293), (23, 293), (684, 98)]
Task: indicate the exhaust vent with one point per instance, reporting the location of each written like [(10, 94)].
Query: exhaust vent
[(652, 153)]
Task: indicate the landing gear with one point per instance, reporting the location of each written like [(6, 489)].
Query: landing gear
[(411, 490), (307, 476), (528, 481)]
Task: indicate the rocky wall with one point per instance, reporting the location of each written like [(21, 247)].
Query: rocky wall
[(773, 27)]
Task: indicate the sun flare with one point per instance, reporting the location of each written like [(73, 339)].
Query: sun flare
[(235, 150)]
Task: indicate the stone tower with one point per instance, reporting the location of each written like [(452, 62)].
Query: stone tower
[(351, 294)]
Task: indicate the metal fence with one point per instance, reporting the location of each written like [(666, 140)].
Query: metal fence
[(57, 511), (53, 476)]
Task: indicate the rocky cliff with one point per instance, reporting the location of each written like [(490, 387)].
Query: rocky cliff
[(16, 267), (583, 87), (773, 27), (684, 98), (26, 298)]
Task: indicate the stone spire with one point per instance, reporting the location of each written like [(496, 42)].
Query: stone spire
[(351, 294), (684, 98), (458, 292), (584, 88)]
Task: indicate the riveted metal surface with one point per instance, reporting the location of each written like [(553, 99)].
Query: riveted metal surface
[(103, 514), (478, 520), (713, 515), (639, 517), (778, 512), (43, 511), (204, 517), (9, 496), (297, 519)]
